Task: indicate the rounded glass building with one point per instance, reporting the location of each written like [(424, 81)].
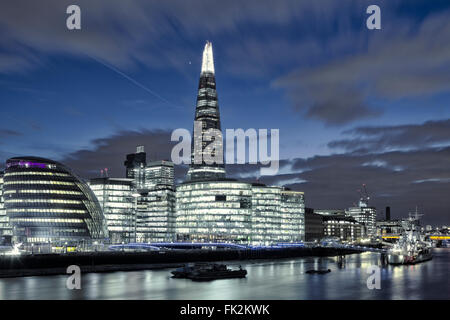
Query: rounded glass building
[(47, 203)]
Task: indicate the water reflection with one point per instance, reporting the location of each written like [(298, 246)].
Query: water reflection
[(282, 279)]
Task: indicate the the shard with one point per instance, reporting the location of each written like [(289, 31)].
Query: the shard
[(208, 116)]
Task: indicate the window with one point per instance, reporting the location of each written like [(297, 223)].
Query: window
[(221, 197)]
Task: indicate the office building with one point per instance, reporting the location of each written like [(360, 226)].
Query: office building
[(277, 215), (366, 215), (343, 227), (117, 199), (292, 213), (389, 227), (135, 167), (313, 225), (155, 216), (214, 211), (47, 203), (239, 212), (159, 175), (5, 228)]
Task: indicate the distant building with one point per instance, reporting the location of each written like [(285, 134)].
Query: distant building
[(365, 215), (314, 227), (135, 166), (388, 213), (117, 200), (429, 228), (48, 204), (343, 227), (389, 227)]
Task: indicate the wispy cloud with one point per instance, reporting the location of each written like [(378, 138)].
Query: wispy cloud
[(401, 137)]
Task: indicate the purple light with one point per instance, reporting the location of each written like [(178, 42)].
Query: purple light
[(27, 164)]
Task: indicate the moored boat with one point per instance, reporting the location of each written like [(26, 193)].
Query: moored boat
[(411, 247), (318, 271), (206, 272)]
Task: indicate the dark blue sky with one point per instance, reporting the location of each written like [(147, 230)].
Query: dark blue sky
[(375, 100)]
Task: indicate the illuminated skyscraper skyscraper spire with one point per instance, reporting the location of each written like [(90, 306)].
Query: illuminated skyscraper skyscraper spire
[(208, 59), (206, 111)]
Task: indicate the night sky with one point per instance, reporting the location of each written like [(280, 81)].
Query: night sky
[(353, 105)]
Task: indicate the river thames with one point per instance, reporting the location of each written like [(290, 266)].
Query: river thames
[(278, 279)]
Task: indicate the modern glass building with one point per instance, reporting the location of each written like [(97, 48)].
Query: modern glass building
[(117, 199), (206, 111), (292, 213), (365, 215), (214, 211), (239, 212), (277, 215), (266, 218), (5, 228), (155, 216), (159, 175), (48, 203), (135, 166)]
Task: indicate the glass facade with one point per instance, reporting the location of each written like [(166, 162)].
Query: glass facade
[(367, 216), (47, 203), (5, 229), (206, 111), (292, 214), (159, 175), (214, 211), (135, 166), (117, 200), (238, 212), (156, 216), (277, 215), (266, 218)]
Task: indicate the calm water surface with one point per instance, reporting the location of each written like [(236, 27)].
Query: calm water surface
[(280, 279)]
